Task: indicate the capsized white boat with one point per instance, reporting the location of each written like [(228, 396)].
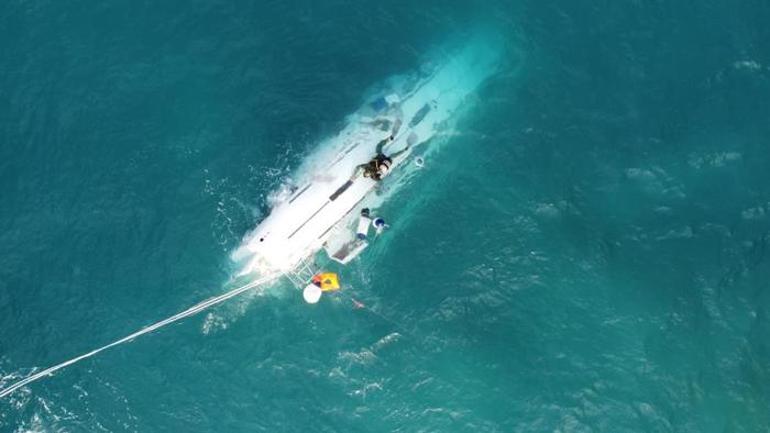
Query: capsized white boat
[(322, 208)]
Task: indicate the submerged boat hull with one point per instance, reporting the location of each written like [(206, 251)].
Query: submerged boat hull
[(409, 111)]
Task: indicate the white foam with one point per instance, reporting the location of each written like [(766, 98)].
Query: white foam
[(747, 65)]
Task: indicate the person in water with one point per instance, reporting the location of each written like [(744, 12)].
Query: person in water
[(380, 165)]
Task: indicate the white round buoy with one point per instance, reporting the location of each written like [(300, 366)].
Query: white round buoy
[(419, 162), (312, 294)]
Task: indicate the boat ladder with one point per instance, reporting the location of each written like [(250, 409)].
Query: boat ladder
[(301, 275)]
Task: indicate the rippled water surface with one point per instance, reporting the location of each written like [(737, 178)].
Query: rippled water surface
[(588, 252)]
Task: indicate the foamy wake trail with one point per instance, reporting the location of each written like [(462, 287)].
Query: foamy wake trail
[(179, 316)]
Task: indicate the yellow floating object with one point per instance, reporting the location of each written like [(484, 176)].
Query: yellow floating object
[(327, 281)]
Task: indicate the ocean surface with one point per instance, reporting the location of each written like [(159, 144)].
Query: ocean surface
[(588, 252)]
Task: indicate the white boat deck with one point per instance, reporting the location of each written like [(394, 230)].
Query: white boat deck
[(327, 197)]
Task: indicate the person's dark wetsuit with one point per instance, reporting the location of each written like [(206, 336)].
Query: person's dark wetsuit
[(379, 166), (374, 168)]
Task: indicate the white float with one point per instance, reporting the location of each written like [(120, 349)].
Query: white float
[(312, 294)]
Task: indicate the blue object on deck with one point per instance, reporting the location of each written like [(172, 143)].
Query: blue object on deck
[(379, 104)]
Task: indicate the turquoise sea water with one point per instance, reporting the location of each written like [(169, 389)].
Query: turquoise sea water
[(587, 253)]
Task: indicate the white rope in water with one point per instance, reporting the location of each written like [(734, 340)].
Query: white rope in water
[(186, 313)]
